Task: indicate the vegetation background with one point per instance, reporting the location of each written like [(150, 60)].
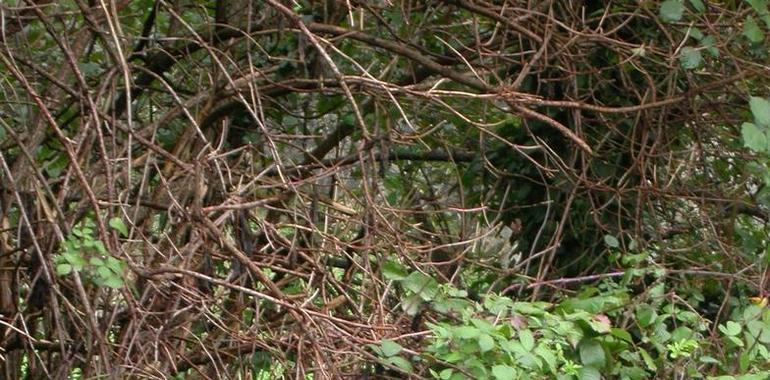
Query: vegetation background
[(384, 189)]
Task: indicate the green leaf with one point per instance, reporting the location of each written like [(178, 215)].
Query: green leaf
[(114, 282), (503, 372), (645, 315), (400, 362), (730, 328), (709, 43), (486, 342), (621, 334), (548, 356), (752, 31), (411, 305), (690, 58), (118, 225), (75, 259), (421, 284), (445, 374), (104, 272), (116, 265), (648, 361), (611, 241), (753, 137), (63, 269), (592, 353), (760, 108), (671, 10), (695, 33), (97, 262), (390, 348), (589, 373), (527, 339), (466, 332), (392, 270), (698, 5)]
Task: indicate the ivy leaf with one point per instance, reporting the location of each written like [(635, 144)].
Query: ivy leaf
[(390, 348), (760, 108), (753, 137), (690, 58), (671, 10), (752, 31)]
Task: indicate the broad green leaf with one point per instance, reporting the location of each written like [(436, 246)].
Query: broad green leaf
[(394, 271), (466, 332), (648, 361), (698, 5), (548, 356), (611, 241), (104, 272), (75, 259), (753, 137), (645, 315), (116, 265), (422, 285), (589, 373), (400, 362), (63, 269), (681, 333), (592, 353), (621, 334), (527, 339), (730, 328), (486, 343), (690, 58), (95, 261), (390, 348), (760, 6), (503, 372), (695, 33), (114, 282), (709, 43), (752, 31), (118, 225), (671, 10), (760, 108), (593, 305), (445, 374)]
